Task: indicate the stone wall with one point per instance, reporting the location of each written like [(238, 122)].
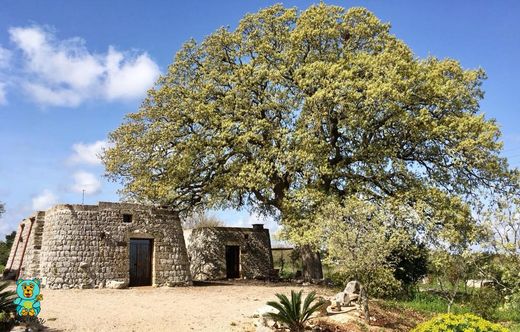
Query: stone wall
[(207, 251), (86, 246), (17, 261)]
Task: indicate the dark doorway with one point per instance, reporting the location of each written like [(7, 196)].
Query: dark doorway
[(232, 261), (141, 262)]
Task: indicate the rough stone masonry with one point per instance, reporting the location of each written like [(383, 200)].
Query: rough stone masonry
[(121, 244), (87, 246)]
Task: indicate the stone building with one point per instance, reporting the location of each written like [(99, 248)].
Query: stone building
[(229, 252), (109, 244)]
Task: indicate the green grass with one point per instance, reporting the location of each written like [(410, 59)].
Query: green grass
[(428, 303), (431, 303)]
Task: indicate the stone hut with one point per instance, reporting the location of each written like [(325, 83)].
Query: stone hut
[(229, 252), (109, 244)]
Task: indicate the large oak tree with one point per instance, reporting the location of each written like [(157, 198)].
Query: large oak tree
[(292, 108)]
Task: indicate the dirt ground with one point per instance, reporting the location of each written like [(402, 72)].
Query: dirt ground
[(214, 307)]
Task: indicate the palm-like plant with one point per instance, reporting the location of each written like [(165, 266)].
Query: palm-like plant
[(291, 312), (7, 307), (6, 298)]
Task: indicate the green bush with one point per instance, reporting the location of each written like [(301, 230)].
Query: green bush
[(7, 307), (485, 302), (291, 312), (459, 323), (6, 298)]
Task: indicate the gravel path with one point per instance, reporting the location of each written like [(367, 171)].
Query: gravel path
[(216, 307)]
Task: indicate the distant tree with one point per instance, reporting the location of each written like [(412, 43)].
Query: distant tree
[(294, 107), (5, 248), (360, 241), (501, 217), (201, 219)]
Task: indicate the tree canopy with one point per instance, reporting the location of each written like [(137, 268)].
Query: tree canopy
[(292, 109)]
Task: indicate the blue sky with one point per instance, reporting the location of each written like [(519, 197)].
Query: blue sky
[(71, 70)]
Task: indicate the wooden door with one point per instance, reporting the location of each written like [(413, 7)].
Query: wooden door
[(141, 262), (232, 261)]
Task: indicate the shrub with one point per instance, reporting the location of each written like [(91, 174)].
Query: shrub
[(291, 312), (7, 307), (6, 298), (485, 302), (411, 264), (459, 323)]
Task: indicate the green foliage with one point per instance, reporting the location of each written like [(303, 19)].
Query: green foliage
[(502, 219), (6, 298), (201, 219), (293, 312), (411, 264), (5, 248), (287, 261), (360, 241), (459, 323), (428, 303), (293, 108), (486, 301)]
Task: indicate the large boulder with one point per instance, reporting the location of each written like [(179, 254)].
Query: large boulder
[(353, 287)]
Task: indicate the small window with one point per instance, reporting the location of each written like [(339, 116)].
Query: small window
[(127, 218)]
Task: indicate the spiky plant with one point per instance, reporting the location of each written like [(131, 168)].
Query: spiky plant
[(291, 312), (7, 307), (6, 298)]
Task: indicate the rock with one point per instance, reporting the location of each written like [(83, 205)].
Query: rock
[(83, 265), (263, 311), (270, 323), (116, 284), (342, 298), (306, 284), (353, 287), (479, 283)]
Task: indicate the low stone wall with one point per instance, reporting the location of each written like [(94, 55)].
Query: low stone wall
[(207, 251)]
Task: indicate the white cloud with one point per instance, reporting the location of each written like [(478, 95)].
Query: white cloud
[(88, 153), (5, 57), (58, 97), (125, 80), (44, 200), (66, 73), (86, 181), (3, 98)]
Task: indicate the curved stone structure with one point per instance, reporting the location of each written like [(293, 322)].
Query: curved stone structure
[(86, 246)]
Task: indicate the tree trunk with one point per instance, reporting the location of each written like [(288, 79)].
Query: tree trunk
[(311, 260), (363, 301)]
